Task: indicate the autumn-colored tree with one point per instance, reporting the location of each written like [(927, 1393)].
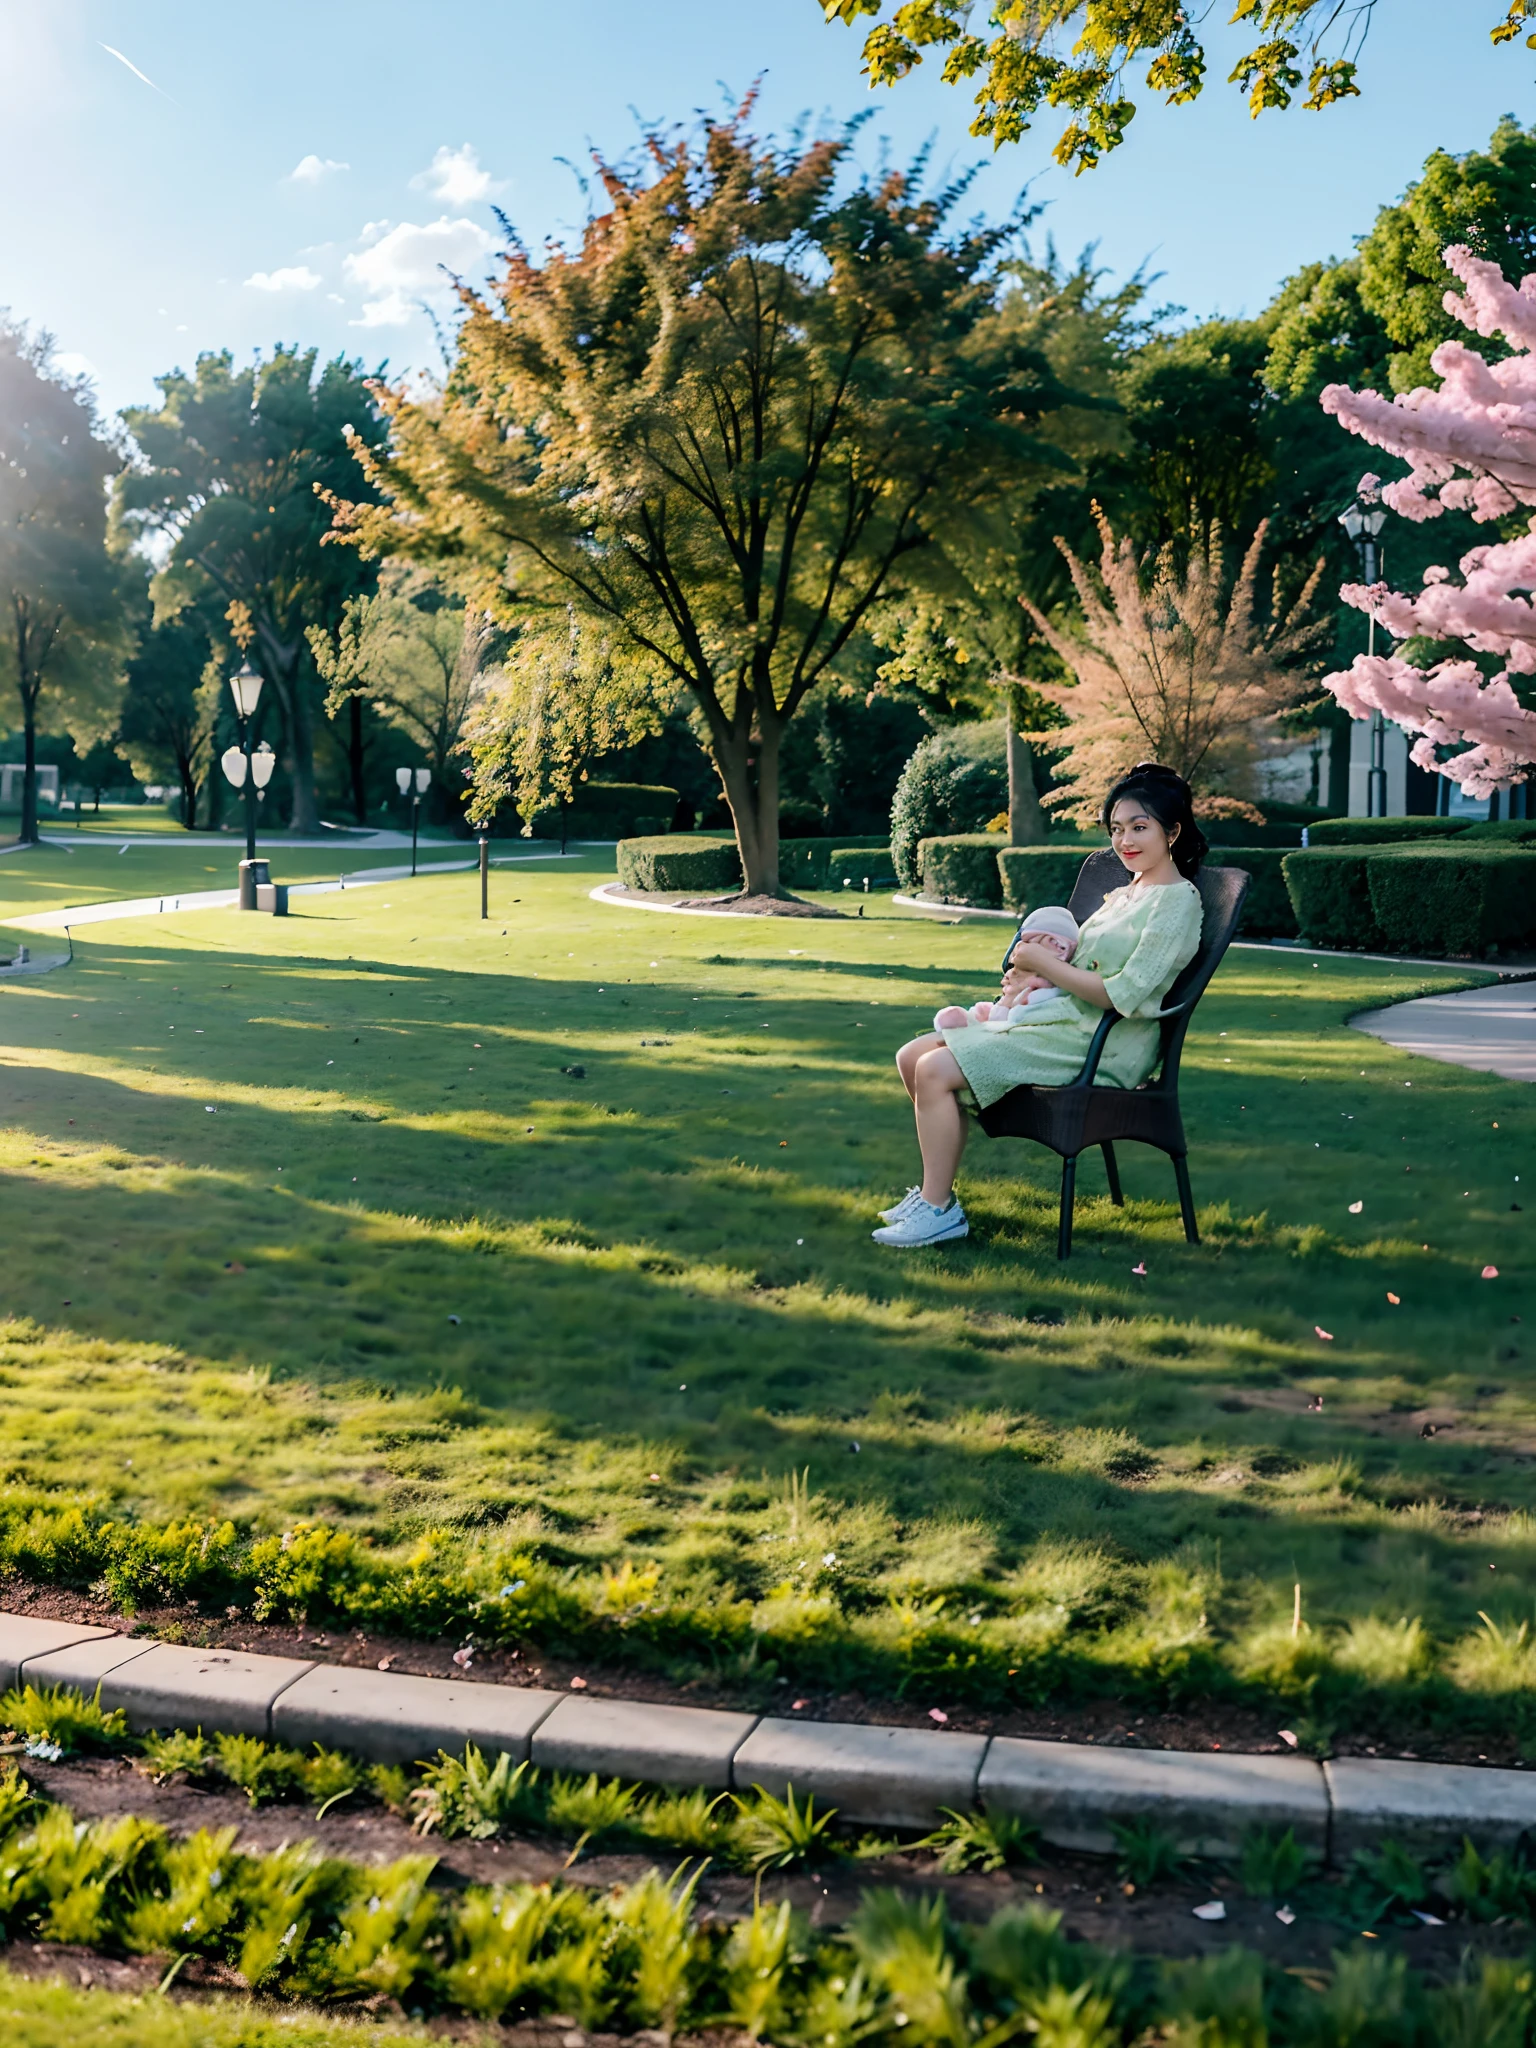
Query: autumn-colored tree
[(716, 428), (1074, 54), (1174, 662), (64, 601), (230, 464)]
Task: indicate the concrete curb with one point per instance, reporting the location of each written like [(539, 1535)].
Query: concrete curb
[(1074, 1793)]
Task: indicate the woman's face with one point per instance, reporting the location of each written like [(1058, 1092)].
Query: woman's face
[(1137, 837)]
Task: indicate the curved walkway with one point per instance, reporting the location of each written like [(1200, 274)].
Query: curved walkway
[(1492, 1029)]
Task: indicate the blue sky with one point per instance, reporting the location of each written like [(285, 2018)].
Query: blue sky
[(296, 171)]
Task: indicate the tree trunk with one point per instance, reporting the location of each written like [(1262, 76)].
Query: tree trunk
[(355, 760), (754, 805), (1026, 820), (29, 833), (188, 801)]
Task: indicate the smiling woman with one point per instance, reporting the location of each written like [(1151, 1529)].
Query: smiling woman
[(1128, 955)]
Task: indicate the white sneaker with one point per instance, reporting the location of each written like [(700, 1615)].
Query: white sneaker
[(903, 1207), (924, 1224)]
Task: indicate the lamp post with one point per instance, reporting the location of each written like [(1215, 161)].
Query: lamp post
[(403, 779), (246, 773), (1363, 521)]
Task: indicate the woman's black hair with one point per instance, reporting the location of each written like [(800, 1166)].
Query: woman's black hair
[(1166, 796)]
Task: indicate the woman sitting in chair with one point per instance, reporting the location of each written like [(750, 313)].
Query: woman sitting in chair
[(1131, 951)]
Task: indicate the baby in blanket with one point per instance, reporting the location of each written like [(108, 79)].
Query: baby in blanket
[(1022, 995)]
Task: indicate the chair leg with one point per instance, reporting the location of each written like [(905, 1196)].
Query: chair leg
[(1068, 1195), (1186, 1197), (1113, 1170)]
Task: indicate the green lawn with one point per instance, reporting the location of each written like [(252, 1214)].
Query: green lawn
[(100, 868), (589, 1357)]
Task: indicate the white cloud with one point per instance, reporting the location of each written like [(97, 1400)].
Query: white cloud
[(457, 177), (298, 277), (408, 262), (311, 169)]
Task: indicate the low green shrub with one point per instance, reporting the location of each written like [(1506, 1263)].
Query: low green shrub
[(851, 866), (1267, 910), (1226, 832), (954, 782), (611, 810), (1033, 876), (1331, 896), (1502, 832), (679, 861), (963, 869), (1462, 901), (803, 863), (1381, 831)]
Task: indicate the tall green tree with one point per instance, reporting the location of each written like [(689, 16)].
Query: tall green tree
[(65, 599), (717, 429), (230, 470), (962, 640), (1074, 54), (417, 653), (170, 708)]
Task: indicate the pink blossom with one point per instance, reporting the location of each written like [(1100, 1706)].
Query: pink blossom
[(1471, 446)]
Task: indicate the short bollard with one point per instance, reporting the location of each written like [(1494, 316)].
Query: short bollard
[(254, 874)]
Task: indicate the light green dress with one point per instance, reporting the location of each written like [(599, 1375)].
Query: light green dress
[(1140, 940)]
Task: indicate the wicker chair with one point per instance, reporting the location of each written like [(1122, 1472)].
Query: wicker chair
[(1083, 1113)]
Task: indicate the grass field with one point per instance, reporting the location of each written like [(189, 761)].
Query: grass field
[(611, 1356), (100, 867)]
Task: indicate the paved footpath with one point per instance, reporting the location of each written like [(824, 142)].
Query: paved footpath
[(1492, 1029), (1076, 1793)]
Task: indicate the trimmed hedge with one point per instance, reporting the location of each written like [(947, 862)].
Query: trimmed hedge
[(679, 861), (1503, 832), (962, 868), (1456, 900), (1331, 896), (1225, 832), (1033, 876), (1381, 831), (612, 810), (804, 863), (1267, 908), (850, 864)]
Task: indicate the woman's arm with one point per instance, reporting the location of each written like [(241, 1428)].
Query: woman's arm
[(1075, 981)]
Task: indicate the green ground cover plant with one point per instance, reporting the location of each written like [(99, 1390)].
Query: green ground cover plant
[(297, 1925), (598, 1357)]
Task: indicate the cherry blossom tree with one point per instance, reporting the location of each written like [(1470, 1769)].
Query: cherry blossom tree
[(1470, 446)]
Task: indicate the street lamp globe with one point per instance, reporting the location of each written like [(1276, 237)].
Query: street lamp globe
[(403, 780), (263, 761), (1352, 519), (423, 777), (245, 688)]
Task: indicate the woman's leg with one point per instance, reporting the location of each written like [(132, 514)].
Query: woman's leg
[(910, 1054), (941, 1122)]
